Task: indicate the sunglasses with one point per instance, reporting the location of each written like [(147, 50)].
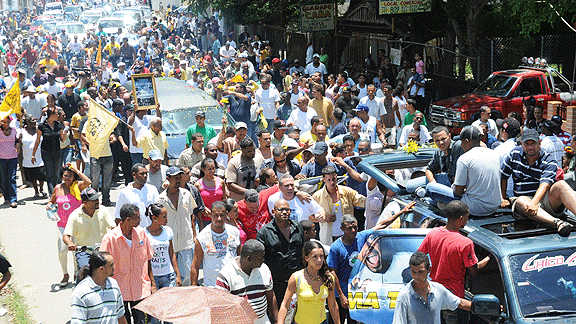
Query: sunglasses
[(283, 209), (362, 149), (280, 161)]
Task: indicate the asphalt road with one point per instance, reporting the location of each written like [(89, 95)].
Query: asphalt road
[(30, 241)]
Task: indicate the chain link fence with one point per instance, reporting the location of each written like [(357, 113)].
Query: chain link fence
[(507, 53)]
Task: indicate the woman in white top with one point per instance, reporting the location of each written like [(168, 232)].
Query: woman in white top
[(33, 172), (400, 95), (164, 264)]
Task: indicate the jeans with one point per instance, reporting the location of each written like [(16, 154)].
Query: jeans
[(132, 313), (439, 192), (414, 184), (102, 166), (52, 165), (270, 124), (67, 155), (184, 259), (253, 131), (8, 175), (136, 158)]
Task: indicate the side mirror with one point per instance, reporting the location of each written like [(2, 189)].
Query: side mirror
[(486, 305)]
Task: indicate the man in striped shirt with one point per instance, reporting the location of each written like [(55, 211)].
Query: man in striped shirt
[(97, 298), (247, 276), (538, 196)]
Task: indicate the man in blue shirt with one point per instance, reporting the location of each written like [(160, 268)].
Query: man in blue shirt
[(239, 102), (421, 300), (538, 196), (314, 169), (344, 251)]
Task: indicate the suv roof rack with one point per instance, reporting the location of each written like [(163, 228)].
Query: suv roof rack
[(511, 228)]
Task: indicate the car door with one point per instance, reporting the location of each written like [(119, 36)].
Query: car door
[(379, 271)]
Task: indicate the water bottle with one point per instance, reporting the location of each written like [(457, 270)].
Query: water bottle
[(52, 213)]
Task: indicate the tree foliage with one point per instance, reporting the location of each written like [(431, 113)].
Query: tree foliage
[(534, 15), (281, 13)]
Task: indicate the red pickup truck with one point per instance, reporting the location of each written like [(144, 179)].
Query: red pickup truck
[(503, 92)]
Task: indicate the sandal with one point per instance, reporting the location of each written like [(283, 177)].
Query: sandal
[(563, 228)]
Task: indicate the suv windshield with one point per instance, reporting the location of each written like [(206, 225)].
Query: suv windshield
[(544, 282), (73, 29), (178, 121), (497, 85), (89, 19)]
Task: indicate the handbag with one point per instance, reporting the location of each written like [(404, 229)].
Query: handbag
[(293, 303)]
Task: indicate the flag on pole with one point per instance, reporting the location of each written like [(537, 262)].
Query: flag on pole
[(98, 128), (11, 103), (99, 54)]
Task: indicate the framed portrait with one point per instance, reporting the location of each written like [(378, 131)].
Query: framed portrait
[(144, 86)]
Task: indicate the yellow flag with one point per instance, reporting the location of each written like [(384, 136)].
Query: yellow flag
[(98, 128), (99, 54), (11, 103), (237, 78)]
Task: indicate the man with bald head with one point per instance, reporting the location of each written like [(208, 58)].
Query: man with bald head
[(283, 240), (153, 139)]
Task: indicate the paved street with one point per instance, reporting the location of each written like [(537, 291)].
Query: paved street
[(29, 238)]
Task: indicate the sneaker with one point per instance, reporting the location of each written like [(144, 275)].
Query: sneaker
[(420, 192)]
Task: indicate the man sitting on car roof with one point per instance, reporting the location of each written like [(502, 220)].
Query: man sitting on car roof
[(538, 196)]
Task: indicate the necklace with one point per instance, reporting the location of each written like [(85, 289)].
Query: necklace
[(316, 278)]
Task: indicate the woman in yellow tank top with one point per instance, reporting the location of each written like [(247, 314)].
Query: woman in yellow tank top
[(313, 286)]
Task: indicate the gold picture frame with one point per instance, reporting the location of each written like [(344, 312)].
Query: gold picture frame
[(145, 95)]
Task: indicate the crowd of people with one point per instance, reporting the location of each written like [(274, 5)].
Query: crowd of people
[(230, 204)]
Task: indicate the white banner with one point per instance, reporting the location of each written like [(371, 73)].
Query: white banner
[(317, 17)]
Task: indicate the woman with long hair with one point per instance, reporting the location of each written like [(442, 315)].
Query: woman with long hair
[(51, 131), (232, 212), (34, 172), (66, 195), (313, 286), (211, 188), (331, 86), (8, 162), (66, 147), (51, 101)]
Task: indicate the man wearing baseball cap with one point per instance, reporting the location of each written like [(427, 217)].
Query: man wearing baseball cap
[(201, 127), (231, 144), (477, 178), (314, 169), (316, 66), (87, 225), (279, 133), (537, 194), (69, 100), (33, 103), (370, 127)]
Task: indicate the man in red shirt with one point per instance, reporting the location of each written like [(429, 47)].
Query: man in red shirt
[(250, 215), (451, 255)]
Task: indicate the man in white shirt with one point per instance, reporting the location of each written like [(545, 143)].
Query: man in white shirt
[(33, 103), (509, 129), (52, 87), (298, 210), (316, 66), (485, 118), (227, 52), (375, 104), (417, 126), (122, 74), (268, 99), (139, 193), (302, 116)]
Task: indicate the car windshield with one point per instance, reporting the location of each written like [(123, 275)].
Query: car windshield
[(38, 22), (497, 85), (124, 16), (544, 282), (49, 26), (178, 121), (89, 19), (73, 29), (111, 23)]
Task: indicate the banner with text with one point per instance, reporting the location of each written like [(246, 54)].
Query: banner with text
[(392, 7), (317, 17)]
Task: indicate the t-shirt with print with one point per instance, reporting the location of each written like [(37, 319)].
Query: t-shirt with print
[(161, 263), (450, 254), (242, 172), (251, 223), (219, 249)]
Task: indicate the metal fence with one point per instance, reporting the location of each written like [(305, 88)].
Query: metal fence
[(290, 45), (506, 53)]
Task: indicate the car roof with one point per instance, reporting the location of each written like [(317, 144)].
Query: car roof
[(500, 233), (176, 94), (521, 71)]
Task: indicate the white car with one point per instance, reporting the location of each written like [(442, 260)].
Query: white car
[(89, 20), (73, 28), (53, 6), (57, 14), (110, 25), (130, 17)]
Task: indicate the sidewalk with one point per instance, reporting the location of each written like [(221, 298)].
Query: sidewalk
[(30, 244)]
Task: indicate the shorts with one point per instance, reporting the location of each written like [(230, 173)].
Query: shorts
[(35, 174), (544, 204)]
